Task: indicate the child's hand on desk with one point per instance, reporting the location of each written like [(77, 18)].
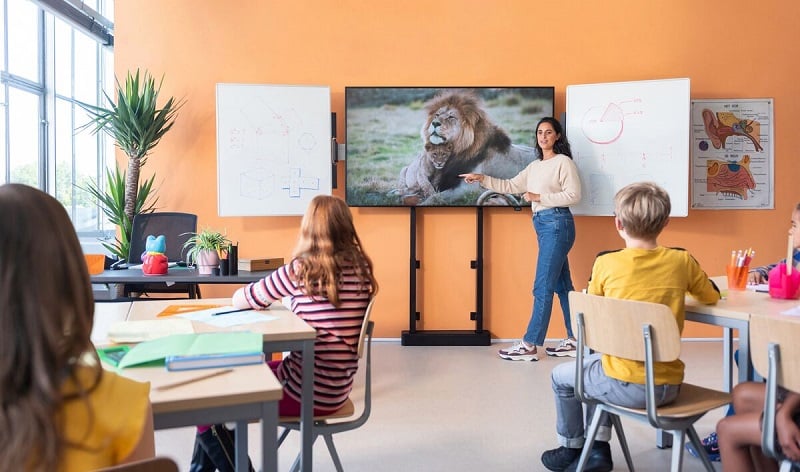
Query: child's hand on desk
[(755, 278)]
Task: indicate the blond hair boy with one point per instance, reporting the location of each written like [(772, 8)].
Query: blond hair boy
[(643, 271)]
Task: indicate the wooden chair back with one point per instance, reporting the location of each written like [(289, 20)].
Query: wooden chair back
[(785, 332), (614, 326)]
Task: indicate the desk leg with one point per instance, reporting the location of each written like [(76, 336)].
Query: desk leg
[(663, 439), (746, 371), (307, 407), (269, 437), (727, 355), (241, 446)]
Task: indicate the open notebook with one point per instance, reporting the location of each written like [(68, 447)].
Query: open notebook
[(245, 344)]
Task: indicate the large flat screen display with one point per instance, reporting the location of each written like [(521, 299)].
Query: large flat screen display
[(406, 146)]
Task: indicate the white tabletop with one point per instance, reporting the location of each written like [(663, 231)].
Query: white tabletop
[(243, 384), (287, 326)]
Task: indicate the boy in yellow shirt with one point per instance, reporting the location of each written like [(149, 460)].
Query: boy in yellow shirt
[(643, 271)]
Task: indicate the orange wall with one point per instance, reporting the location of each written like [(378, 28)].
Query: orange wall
[(733, 50)]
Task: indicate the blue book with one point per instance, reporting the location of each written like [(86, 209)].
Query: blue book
[(237, 344), (207, 361)]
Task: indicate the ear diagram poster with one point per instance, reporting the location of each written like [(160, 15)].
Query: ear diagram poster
[(732, 154)]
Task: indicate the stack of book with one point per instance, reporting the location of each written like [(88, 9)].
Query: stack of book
[(197, 351), (253, 265)]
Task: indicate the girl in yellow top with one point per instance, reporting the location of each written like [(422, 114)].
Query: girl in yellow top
[(59, 411)]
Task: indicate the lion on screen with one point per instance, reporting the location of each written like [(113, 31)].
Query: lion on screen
[(457, 117)]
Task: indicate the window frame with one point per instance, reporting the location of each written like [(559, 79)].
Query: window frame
[(50, 18)]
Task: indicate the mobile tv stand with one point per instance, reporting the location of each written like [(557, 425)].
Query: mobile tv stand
[(415, 337)]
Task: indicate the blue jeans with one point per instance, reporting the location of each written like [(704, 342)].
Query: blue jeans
[(597, 385), (555, 232)]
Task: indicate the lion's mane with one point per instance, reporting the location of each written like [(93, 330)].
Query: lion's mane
[(457, 117)]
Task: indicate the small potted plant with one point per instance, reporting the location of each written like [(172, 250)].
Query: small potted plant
[(203, 249)]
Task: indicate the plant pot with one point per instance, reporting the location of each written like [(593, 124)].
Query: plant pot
[(206, 260)]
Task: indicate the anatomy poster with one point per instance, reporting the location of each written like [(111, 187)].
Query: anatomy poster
[(732, 154)]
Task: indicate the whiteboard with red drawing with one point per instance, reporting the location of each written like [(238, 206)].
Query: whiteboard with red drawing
[(625, 132), (273, 148)]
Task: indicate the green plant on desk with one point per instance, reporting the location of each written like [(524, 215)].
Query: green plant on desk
[(204, 247)]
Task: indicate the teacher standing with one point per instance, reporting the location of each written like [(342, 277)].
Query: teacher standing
[(551, 184)]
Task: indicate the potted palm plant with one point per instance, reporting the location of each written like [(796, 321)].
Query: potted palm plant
[(204, 248), (137, 125), (112, 200)]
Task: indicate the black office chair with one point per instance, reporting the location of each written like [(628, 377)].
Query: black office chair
[(176, 228)]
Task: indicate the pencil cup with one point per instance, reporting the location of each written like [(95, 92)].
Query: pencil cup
[(215, 271), (783, 285), (224, 267), (737, 277)]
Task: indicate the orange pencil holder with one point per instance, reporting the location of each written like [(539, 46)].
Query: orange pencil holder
[(95, 263), (783, 285), (737, 277)]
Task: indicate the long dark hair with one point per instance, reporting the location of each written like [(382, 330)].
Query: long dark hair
[(46, 316), (561, 145), (328, 243)]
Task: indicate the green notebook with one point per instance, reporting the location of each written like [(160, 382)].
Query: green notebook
[(156, 350)]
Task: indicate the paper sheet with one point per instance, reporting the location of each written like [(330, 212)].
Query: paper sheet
[(228, 319), (759, 288), (144, 330), (792, 311)]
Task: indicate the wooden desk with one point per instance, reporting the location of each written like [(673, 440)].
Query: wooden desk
[(105, 315), (287, 333), (248, 393), (734, 313)]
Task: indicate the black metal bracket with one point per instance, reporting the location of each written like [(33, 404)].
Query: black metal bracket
[(414, 337)]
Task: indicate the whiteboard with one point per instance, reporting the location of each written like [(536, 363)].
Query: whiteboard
[(627, 132), (273, 148)]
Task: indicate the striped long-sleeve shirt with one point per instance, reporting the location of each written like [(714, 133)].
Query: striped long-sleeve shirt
[(338, 329), (764, 270)]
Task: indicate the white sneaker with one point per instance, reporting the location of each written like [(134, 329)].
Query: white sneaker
[(567, 348), (519, 351)]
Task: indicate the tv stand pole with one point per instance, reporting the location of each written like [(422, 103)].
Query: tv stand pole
[(476, 337)]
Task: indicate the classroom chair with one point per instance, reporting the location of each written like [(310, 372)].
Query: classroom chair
[(775, 350), (614, 326), (177, 228), (328, 425), (156, 464)]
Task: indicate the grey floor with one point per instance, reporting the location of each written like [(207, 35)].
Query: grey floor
[(465, 409)]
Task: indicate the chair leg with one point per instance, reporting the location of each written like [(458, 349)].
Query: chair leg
[(623, 442), (296, 464), (698, 446), (283, 436), (678, 438), (332, 450), (599, 413)]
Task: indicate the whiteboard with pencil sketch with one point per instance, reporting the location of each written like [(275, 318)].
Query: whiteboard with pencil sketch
[(627, 132), (273, 148)]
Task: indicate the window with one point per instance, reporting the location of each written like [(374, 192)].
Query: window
[(49, 62)]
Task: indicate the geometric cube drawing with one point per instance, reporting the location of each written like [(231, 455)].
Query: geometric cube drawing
[(294, 182)]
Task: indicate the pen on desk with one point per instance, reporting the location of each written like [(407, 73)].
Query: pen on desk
[(193, 380), (231, 311)]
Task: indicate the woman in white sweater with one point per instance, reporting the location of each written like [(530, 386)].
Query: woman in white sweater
[(551, 184)]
